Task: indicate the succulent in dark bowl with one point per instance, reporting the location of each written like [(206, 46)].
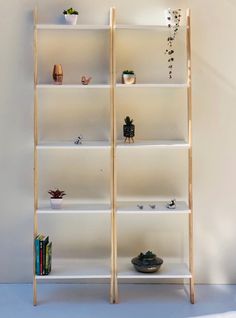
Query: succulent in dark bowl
[(147, 263)]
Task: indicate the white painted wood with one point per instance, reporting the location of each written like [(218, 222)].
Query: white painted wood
[(78, 268), (158, 27), (72, 27), (71, 145), (168, 269), (168, 144), (76, 209), (132, 208), (53, 86), (152, 85)]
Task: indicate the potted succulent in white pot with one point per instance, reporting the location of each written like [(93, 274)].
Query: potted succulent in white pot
[(128, 77), (71, 16), (56, 198)]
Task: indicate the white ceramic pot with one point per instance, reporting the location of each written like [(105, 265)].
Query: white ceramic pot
[(128, 78), (56, 203), (71, 18)]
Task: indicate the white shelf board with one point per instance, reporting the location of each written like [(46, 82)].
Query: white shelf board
[(78, 269), (72, 27), (71, 145), (64, 86), (152, 85), (158, 27), (169, 270), (76, 209), (131, 208), (168, 144)]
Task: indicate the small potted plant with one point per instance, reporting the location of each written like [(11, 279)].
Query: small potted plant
[(128, 77), (56, 198), (129, 129), (71, 16), (173, 18)]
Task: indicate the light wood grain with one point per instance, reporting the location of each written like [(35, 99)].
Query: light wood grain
[(190, 164), (35, 150)]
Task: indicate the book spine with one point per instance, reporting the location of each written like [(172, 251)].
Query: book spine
[(45, 242), (47, 258), (41, 256), (37, 256)]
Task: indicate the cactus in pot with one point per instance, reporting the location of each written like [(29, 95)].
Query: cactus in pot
[(129, 129)]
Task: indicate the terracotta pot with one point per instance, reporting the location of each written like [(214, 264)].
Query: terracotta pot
[(57, 74)]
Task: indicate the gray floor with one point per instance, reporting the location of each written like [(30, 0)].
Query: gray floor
[(91, 301)]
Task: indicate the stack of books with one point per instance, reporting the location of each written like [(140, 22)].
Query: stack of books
[(43, 255)]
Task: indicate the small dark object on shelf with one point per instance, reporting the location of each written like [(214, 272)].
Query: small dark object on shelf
[(140, 206), (129, 129), (78, 141), (152, 206), (171, 204), (147, 263)]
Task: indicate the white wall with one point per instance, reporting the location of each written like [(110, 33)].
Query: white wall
[(213, 129)]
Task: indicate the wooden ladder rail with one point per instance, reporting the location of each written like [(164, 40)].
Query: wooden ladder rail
[(190, 163), (35, 233)]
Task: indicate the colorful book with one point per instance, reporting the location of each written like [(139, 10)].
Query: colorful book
[(37, 253), (48, 258), (45, 241)]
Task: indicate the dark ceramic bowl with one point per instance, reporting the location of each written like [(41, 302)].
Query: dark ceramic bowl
[(147, 265)]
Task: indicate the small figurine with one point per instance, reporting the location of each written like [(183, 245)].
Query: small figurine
[(85, 81), (78, 141), (152, 206), (171, 204), (140, 206)]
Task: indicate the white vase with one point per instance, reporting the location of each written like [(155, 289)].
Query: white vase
[(56, 204), (71, 18), (128, 79)]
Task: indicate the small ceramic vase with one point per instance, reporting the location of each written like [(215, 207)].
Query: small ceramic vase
[(57, 74)]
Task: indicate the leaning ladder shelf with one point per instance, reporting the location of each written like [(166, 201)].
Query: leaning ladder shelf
[(172, 270)]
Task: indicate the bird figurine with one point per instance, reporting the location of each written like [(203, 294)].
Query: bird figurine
[(171, 204), (85, 81), (78, 141)]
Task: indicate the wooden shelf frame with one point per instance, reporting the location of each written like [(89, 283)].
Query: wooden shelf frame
[(92, 145), (114, 146), (162, 145)]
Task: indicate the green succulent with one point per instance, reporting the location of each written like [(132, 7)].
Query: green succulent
[(70, 11), (127, 72), (149, 254)]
